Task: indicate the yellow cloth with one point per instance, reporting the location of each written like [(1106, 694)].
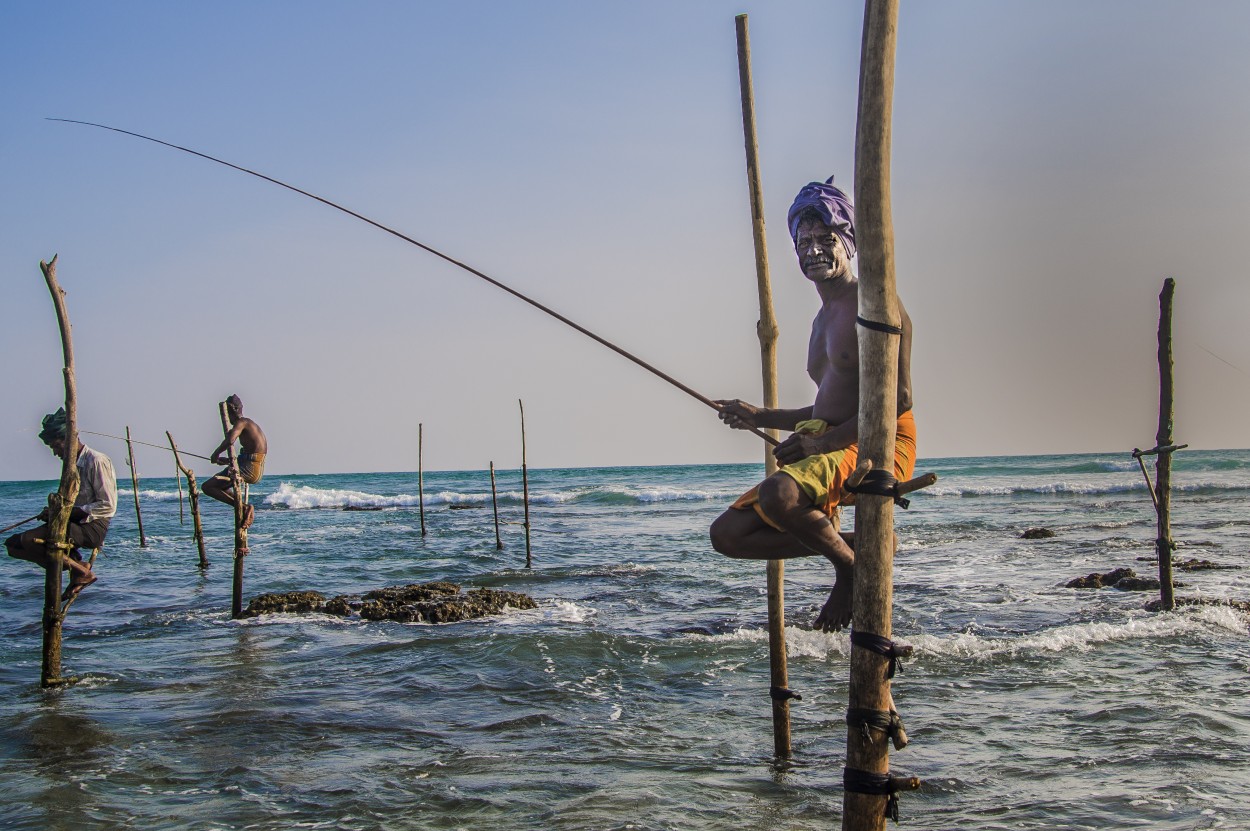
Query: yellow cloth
[(822, 476), (252, 468)]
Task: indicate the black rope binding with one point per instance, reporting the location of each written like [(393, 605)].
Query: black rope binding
[(783, 694), (879, 327), (887, 721), (880, 483), (874, 784), (882, 646)]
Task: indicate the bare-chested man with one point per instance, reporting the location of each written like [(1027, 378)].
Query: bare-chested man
[(251, 460), (793, 512)]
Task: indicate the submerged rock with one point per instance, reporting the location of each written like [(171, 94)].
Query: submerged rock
[(1124, 579), (1037, 534), (266, 604), (437, 602)]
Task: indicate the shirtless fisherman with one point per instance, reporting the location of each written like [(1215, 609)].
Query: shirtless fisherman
[(251, 460), (793, 512)]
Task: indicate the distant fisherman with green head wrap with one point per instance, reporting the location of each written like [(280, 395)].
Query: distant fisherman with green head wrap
[(88, 519)]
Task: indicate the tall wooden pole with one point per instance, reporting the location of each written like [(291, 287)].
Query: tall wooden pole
[(525, 488), (240, 533), (194, 495), (134, 484), (421, 475), (766, 329), (1163, 439), (62, 502), (494, 501), (878, 410)]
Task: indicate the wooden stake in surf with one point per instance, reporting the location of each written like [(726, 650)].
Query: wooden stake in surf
[(496, 283), (525, 488), (60, 503), (240, 533), (766, 329), (869, 788), (193, 494), (421, 476), (134, 483), (494, 501)]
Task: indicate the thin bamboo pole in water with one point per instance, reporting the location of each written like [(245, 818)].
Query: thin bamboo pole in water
[(240, 533), (62, 502), (525, 488), (194, 495), (421, 475), (766, 329), (134, 483), (494, 501)]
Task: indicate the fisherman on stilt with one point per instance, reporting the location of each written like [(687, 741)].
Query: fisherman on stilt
[(251, 460), (89, 518), (794, 512)]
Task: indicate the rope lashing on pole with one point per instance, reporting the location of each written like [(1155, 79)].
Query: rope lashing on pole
[(496, 283), (783, 694), (888, 328), (879, 784), (885, 647), (887, 721)]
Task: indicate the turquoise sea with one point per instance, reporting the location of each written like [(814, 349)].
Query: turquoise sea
[(636, 695)]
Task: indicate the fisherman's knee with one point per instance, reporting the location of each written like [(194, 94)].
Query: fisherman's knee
[(722, 535), (779, 494)]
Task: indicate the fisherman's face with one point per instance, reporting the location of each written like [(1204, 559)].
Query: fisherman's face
[(822, 256), (57, 446)]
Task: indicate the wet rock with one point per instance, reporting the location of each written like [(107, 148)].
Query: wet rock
[(436, 602), (1135, 583), (1098, 581), (1156, 605), (1037, 534), (1194, 564), (464, 507), (291, 602)]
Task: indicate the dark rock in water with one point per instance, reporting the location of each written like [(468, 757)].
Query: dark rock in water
[(1134, 583), (1098, 581), (464, 507), (1156, 605), (285, 602), (1037, 534), (1194, 564), (437, 602), (362, 507)]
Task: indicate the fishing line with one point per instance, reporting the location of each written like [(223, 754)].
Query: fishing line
[(691, 392), (145, 444)]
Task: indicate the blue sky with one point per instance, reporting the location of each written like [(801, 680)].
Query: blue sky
[(1052, 164)]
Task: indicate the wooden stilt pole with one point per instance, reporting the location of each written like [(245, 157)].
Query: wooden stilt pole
[(494, 501), (62, 502), (134, 484), (766, 329), (1163, 439), (194, 496), (867, 756), (525, 488), (240, 533), (421, 475)]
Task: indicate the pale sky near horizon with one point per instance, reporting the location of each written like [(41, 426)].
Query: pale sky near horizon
[(1053, 163)]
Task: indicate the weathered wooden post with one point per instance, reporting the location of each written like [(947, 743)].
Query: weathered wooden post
[(766, 329), (421, 476), (869, 789), (240, 533), (194, 495), (494, 501), (62, 502), (134, 484), (525, 488), (1163, 441)]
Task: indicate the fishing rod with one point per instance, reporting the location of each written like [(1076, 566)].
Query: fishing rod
[(618, 350), (23, 522), (145, 444)]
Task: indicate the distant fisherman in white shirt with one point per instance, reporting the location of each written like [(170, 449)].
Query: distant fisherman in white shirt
[(88, 519)]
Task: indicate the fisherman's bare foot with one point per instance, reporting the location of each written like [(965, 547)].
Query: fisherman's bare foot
[(76, 585), (249, 514), (836, 613)]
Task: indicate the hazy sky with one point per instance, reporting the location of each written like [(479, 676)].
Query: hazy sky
[(1053, 163)]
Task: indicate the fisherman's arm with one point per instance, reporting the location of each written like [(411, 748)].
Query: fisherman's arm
[(743, 416), (231, 437)]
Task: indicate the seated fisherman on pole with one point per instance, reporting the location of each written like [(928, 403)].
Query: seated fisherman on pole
[(94, 506), (793, 513), (251, 459)]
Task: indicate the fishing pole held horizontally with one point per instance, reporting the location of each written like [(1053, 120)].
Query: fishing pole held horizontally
[(689, 391)]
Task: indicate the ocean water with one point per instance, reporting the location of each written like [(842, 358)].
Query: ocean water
[(636, 695)]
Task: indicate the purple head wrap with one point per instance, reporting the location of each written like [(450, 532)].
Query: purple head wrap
[(831, 205)]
